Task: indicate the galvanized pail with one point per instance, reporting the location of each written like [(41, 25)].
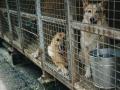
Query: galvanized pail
[(104, 67)]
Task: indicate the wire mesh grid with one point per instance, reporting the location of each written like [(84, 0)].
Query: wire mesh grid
[(30, 37), (0, 23), (113, 12), (15, 29), (3, 20), (29, 28), (53, 8), (103, 60), (2, 4), (95, 54), (5, 26), (77, 10), (27, 6), (12, 5), (56, 44)]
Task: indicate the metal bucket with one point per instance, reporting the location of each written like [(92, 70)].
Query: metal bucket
[(103, 67)]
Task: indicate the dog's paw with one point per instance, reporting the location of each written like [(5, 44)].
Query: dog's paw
[(78, 87), (88, 72), (35, 54), (64, 71), (58, 69)]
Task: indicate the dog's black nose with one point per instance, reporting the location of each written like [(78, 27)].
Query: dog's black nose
[(93, 20)]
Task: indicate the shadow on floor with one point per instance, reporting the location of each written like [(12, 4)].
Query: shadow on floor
[(22, 76)]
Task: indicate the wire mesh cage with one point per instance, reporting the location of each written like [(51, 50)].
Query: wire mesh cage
[(56, 43), (2, 4), (13, 5), (5, 27), (16, 31), (27, 6), (4, 21), (114, 12), (98, 62), (89, 37), (29, 28), (77, 10), (0, 25), (53, 8), (30, 37), (88, 14), (111, 11)]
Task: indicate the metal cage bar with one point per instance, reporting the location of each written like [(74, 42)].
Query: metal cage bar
[(40, 30), (9, 22), (69, 36)]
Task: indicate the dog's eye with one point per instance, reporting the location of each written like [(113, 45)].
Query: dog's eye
[(58, 40), (60, 35), (89, 11)]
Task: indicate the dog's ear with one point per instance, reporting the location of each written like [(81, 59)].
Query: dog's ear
[(85, 3), (102, 3)]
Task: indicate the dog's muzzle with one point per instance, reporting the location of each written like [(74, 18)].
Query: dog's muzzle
[(93, 20)]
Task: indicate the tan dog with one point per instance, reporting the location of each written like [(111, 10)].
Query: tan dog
[(93, 14), (55, 53)]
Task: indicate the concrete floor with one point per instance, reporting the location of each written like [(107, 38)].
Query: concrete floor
[(22, 77)]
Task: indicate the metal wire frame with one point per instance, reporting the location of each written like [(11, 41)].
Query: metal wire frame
[(30, 35), (77, 12), (88, 84), (111, 9), (5, 32), (53, 8), (12, 5), (30, 44), (49, 31), (29, 27), (112, 12), (47, 22), (15, 30), (0, 24), (15, 22), (5, 27), (28, 6), (2, 4)]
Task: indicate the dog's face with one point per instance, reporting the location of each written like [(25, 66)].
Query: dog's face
[(58, 38), (92, 12)]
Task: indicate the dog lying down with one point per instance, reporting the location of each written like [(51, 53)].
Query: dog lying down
[(56, 54)]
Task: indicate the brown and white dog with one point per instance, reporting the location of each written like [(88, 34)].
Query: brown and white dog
[(54, 52), (93, 14)]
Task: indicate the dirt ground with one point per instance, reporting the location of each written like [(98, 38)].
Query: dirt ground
[(22, 76)]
